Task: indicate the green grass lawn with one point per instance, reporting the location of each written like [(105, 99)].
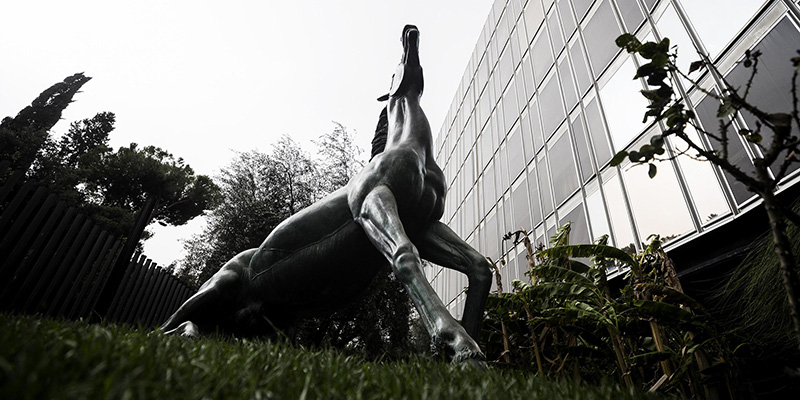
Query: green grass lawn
[(46, 359)]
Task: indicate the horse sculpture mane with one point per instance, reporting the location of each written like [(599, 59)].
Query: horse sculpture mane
[(381, 132), (326, 255)]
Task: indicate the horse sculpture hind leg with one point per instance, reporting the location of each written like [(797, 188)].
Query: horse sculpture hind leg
[(441, 246)]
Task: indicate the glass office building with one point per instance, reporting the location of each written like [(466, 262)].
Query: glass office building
[(547, 98)]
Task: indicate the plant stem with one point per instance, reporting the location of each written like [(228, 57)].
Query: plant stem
[(783, 250), (659, 342), (533, 339), (623, 366)]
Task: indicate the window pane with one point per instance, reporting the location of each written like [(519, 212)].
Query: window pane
[(581, 7), (519, 198), (522, 265), (567, 20), (631, 14), (552, 107), (488, 187), (534, 16), (469, 212), (491, 236), (597, 212), (485, 146), (600, 32), (618, 212), (510, 109), (555, 31), (565, 181), (579, 231), (502, 171), (771, 88), (513, 45), (536, 129), (581, 69), (527, 71), (551, 231), (541, 55), (729, 16), (707, 113), (505, 67), (703, 184), (671, 27), (623, 105), (544, 186), (521, 38), (503, 216), (582, 146), (533, 191), (502, 29), (598, 133), (567, 83), (527, 136), (516, 157), (519, 85), (658, 204)]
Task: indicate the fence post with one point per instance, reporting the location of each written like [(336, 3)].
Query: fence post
[(118, 271)]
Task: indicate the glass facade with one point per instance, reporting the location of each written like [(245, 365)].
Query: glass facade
[(547, 99)]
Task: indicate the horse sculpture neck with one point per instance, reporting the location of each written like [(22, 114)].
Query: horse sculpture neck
[(408, 126)]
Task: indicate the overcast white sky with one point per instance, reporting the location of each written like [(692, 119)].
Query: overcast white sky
[(203, 79)]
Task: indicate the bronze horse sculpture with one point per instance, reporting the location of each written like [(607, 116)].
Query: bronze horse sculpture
[(324, 256)]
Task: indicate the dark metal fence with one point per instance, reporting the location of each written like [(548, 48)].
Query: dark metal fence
[(55, 261)]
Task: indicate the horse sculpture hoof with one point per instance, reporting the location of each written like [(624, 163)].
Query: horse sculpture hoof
[(188, 329)]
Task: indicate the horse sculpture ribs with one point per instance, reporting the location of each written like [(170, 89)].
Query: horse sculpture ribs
[(327, 254)]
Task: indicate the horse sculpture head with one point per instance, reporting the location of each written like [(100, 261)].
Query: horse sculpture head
[(407, 78)]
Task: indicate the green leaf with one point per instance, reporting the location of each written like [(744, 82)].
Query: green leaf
[(563, 291), (619, 158), (552, 273), (779, 119), (628, 42), (645, 71), (652, 171), (663, 46), (754, 138), (662, 311), (648, 50), (591, 250), (660, 60), (696, 66), (647, 150), (672, 296), (725, 109), (657, 141)]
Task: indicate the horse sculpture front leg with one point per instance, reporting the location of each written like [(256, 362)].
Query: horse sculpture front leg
[(380, 219)]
